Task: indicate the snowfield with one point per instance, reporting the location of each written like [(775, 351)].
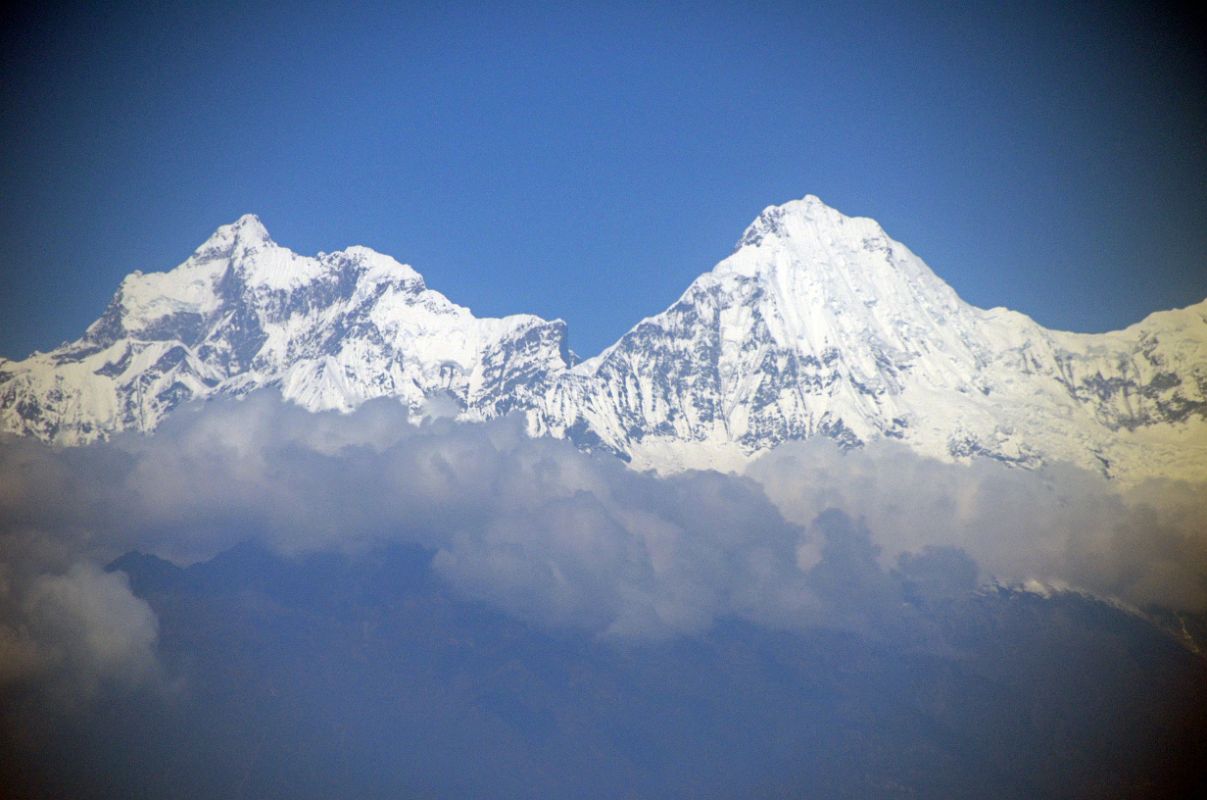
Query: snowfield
[(818, 324)]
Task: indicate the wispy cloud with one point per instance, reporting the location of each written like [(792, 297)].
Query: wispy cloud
[(809, 536)]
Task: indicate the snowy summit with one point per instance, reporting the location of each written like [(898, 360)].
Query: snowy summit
[(818, 324)]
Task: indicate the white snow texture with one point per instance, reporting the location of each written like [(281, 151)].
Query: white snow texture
[(818, 324)]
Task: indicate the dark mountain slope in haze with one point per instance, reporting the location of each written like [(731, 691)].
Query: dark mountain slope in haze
[(361, 677)]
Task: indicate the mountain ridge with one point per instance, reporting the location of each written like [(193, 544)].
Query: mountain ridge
[(817, 324)]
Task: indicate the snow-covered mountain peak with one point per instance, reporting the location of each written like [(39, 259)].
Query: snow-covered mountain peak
[(818, 324), (242, 312), (808, 217), (808, 235), (248, 228), (247, 232), (811, 261), (375, 267)]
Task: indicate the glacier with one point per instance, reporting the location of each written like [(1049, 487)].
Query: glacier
[(817, 324)]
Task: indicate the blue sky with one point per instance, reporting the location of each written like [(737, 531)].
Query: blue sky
[(588, 163)]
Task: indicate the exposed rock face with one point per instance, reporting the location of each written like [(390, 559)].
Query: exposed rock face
[(817, 325)]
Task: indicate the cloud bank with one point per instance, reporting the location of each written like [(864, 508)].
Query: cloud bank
[(556, 537), (1059, 527)]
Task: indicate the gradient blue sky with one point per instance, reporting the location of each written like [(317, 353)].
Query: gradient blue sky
[(588, 163)]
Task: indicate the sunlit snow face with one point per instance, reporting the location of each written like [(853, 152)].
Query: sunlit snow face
[(817, 325)]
